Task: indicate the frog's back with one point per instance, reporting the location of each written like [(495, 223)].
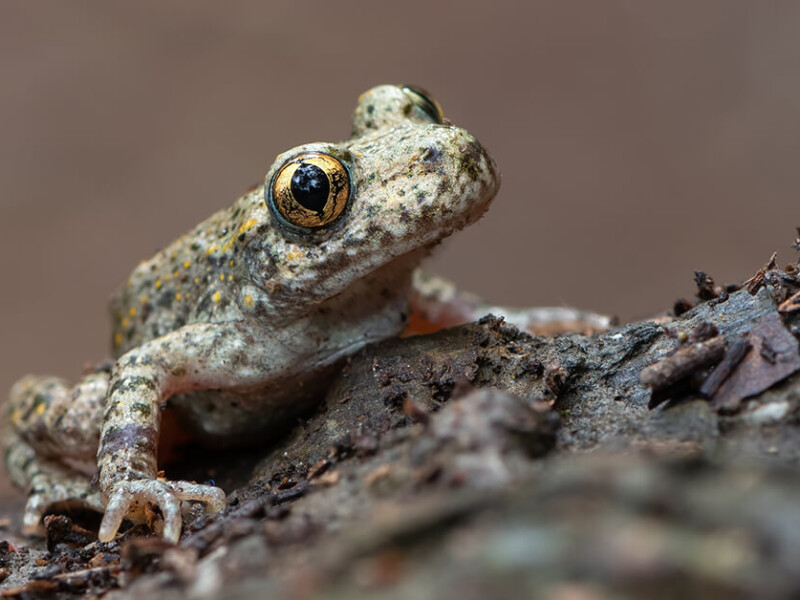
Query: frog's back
[(195, 278)]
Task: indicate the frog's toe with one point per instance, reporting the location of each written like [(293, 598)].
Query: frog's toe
[(116, 509), (34, 511), (212, 497)]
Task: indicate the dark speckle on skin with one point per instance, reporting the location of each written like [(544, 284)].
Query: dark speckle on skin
[(129, 384), (38, 400), (431, 154), (142, 408), (165, 300)]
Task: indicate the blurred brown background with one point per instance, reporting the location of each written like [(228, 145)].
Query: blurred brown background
[(638, 140)]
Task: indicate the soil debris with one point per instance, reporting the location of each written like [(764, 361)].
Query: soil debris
[(706, 288), (480, 461), (753, 284)]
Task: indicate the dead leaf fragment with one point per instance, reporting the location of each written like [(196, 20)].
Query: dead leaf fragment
[(774, 356)]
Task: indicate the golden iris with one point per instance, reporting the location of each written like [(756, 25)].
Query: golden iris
[(311, 190)]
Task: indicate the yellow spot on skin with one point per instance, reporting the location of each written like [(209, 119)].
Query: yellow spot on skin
[(216, 297), (158, 284), (125, 323), (197, 280), (178, 296), (175, 274), (187, 264), (222, 276), (211, 250), (143, 298), (118, 339), (247, 225), (16, 415), (232, 263), (230, 277), (132, 311), (294, 254), (40, 409), (166, 277), (248, 300)]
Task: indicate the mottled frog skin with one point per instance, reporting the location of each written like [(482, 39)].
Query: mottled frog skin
[(238, 324)]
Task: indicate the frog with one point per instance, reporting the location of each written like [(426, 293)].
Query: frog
[(237, 326)]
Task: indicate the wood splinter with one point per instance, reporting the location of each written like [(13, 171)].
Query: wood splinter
[(685, 361), (723, 370)]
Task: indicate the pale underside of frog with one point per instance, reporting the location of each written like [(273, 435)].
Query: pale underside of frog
[(239, 324)]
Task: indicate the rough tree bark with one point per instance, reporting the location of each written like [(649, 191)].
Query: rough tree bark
[(655, 459)]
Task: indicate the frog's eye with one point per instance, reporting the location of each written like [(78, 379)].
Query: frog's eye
[(425, 102), (310, 190)]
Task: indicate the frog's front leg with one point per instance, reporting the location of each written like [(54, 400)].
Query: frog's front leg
[(195, 357)]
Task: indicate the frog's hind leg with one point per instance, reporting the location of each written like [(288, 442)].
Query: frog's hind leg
[(48, 482), (436, 303), (50, 434)]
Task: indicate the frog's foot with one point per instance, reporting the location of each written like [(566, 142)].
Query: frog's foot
[(131, 496), (53, 488), (48, 482)]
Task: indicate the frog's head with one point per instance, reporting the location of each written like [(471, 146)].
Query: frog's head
[(404, 181)]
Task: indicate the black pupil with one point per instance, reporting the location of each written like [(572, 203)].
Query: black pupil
[(310, 187)]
